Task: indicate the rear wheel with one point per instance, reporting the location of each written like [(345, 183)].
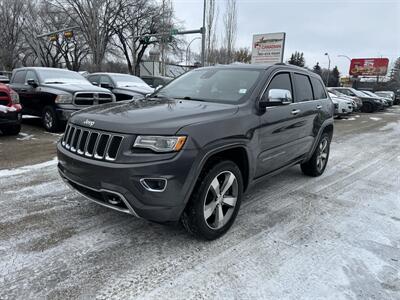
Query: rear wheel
[(215, 202), (11, 129), (367, 107), (50, 120), (317, 163)]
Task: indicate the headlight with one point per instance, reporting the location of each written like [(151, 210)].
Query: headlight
[(14, 97), (160, 143), (63, 99)]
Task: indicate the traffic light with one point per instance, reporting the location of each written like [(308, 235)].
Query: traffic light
[(53, 38), (69, 34)]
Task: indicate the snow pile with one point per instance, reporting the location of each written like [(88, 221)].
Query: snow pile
[(25, 169)]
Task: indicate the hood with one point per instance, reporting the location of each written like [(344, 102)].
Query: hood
[(76, 87), (5, 88), (141, 89), (151, 116)]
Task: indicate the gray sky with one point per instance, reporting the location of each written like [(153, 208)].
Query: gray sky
[(356, 28)]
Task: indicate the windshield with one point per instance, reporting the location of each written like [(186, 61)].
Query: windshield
[(128, 80), (215, 85), (60, 76)]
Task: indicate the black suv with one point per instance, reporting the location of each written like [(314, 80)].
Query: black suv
[(54, 94), (189, 151)]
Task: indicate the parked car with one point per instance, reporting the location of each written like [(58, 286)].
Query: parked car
[(54, 94), (357, 100), (190, 151), (342, 106), (388, 100), (156, 81), (369, 104), (123, 86), (387, 94), (382, 100), (10, 111), (4, 79)]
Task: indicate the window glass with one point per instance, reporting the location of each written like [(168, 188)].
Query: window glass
[(280, 81), (105, 80), (19, 77), (223, 85), (303, 88), (29, 76), (94, 78), (319, 90)]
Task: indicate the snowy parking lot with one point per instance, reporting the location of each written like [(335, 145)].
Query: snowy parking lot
[(332, 237)]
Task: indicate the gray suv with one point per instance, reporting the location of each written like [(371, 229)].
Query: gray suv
[(189, 151)]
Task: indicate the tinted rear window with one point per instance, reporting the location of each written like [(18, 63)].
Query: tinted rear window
[(319, 90), (19, 77), (303, 88)]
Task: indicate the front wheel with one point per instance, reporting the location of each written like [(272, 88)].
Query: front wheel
[(215, 201), (50, 120), (318, 161), (367, 107)]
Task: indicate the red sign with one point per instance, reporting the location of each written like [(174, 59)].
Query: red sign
[(369, 66)]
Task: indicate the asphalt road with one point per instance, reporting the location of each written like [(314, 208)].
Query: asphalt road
[(332, 237)]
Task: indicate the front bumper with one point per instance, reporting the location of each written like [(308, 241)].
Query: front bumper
[(100, 180), (10, 118), (64, 113)]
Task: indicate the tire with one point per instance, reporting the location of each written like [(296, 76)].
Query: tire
[(205, 209), (316, 165), (11, 129), (367, 107), (50, 120)]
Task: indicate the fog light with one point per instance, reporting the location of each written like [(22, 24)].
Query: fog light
[(157, 185)]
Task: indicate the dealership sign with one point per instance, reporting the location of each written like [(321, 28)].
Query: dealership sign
[(268, 48), (369, 66)]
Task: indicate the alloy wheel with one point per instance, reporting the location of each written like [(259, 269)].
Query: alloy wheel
[(220, 201), (48, 119), (322, 156)]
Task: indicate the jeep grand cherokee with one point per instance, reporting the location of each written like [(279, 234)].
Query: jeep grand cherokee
[(190, 150)]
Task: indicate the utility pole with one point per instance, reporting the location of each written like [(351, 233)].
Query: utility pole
[(329, 69), (203, 36), (162, 41)]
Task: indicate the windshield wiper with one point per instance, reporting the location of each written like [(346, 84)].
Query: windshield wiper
[(55, 82)]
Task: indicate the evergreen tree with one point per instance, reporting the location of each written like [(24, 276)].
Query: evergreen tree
[(334, 78), (317, 69), (297, 59)]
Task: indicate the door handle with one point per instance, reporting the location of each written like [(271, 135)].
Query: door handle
[(319, 106), (295, 111), (23, 90)]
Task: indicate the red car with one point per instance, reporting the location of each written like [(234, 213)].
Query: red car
[(10, 111)]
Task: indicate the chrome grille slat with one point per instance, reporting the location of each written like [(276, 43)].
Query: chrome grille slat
[(91, 143)]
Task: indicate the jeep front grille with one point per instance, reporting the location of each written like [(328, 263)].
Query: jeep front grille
[(92, 98), (91, 143)]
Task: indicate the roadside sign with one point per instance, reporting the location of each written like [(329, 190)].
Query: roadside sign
[(369, 66), (268, 48)]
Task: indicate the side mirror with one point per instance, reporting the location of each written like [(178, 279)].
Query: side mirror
[(276, 97), (95, 83), (32, 83)]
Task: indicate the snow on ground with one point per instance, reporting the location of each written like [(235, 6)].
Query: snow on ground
[(332, 237), (375, 118)]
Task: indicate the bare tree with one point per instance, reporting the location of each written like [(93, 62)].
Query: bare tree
[(230, 24), (96, 19), (142, 17), (12, 18), (211, 37)]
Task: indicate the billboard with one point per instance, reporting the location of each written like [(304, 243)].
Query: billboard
[(369, 66), (268, 48)]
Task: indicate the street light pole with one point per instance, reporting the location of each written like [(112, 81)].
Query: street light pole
[(188, 48), (203, 37), (329, 69)]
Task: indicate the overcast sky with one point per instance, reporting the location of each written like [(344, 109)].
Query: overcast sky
[(356, 28)]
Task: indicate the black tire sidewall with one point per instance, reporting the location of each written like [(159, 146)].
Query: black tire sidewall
[(203, 229), (11, 129), (55, 123), (368, 108)]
